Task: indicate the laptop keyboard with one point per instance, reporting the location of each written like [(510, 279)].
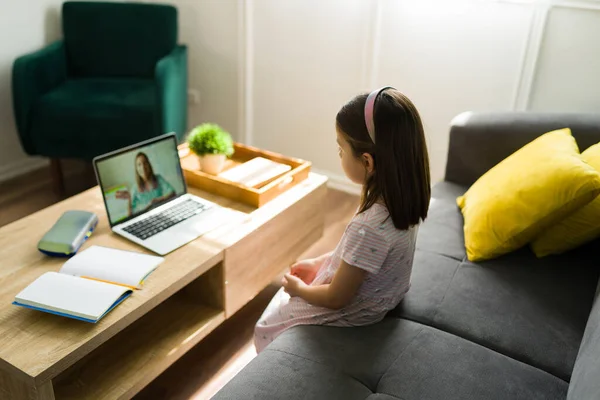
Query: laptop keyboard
[(157, 223)]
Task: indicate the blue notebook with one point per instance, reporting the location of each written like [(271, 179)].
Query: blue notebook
[(70, 296)]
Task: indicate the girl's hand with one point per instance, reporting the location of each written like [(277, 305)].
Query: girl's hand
[(292, 285), (305, 270)]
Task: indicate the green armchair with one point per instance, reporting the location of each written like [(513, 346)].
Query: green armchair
[(117, 77)]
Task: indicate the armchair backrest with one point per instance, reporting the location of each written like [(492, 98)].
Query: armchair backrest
[(106, 39)]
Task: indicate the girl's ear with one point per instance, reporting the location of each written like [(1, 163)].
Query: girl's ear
[(368, 162)]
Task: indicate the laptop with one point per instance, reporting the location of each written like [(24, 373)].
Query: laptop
[(146, 196)]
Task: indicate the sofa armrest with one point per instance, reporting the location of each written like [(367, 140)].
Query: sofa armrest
[(33, 75), (478, 141), (171, 76)]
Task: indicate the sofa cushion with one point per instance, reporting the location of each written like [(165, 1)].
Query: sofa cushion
[(277, 375), (528, 192), (430, 279), (533, 310), (578, 228), (584, 381), (97, 114), (389, 360), (438, 365), (442, 233)]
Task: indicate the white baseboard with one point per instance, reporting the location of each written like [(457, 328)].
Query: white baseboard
[(340, 182), (21, 167)]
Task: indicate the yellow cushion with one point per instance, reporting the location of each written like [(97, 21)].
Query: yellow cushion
[(580, 227), (529, 191)]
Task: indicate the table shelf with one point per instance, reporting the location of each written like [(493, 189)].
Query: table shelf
[(152, 343)]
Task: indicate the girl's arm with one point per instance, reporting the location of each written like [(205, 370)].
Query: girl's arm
[(335, 295)]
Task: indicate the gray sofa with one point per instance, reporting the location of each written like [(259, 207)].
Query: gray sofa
[(516, 327)]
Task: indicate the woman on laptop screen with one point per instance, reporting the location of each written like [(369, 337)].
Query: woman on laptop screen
[(150, 188)]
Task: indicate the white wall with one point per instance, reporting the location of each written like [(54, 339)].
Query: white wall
[(307, 60), (449, 57), (307, 57), (26, 26), (568, 71), (274, 73), (211, 30), (310, 56)]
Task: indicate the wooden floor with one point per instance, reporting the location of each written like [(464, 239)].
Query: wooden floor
[(215, 360), (31, 192)]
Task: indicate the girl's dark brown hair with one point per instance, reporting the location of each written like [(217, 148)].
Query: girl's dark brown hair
[(140, 181), (401, 173)]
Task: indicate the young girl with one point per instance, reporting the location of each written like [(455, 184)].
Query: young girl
[(382, 147)]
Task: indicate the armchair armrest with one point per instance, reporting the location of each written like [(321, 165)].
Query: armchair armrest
[(171, 77), (478, 141), (33, 75)]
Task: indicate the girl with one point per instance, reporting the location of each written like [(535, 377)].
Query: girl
[(381, 146), (150, 188)]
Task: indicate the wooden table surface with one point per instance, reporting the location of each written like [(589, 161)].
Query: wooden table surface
[(36, 346)]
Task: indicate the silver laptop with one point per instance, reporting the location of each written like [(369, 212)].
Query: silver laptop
[(146, 196)]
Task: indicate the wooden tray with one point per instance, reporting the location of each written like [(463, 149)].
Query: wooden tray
[(254, 196)]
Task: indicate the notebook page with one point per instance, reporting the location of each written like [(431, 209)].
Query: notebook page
[(112, 265), (70, 295)]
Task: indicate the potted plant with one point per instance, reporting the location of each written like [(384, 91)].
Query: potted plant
[(212, 144)]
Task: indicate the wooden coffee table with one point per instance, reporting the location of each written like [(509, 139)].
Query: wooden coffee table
[(196, 288)]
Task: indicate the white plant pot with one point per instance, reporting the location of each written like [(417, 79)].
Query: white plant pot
[(212, 163)]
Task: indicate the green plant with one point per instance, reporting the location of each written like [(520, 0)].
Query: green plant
[(210, 139)]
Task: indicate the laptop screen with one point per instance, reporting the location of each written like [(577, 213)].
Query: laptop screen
[(140, 177)]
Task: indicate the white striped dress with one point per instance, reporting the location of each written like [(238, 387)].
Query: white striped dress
[(370, 242)]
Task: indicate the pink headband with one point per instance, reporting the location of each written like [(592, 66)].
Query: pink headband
[(369, 108)]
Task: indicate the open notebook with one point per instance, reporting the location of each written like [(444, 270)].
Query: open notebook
[(90, 284)]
